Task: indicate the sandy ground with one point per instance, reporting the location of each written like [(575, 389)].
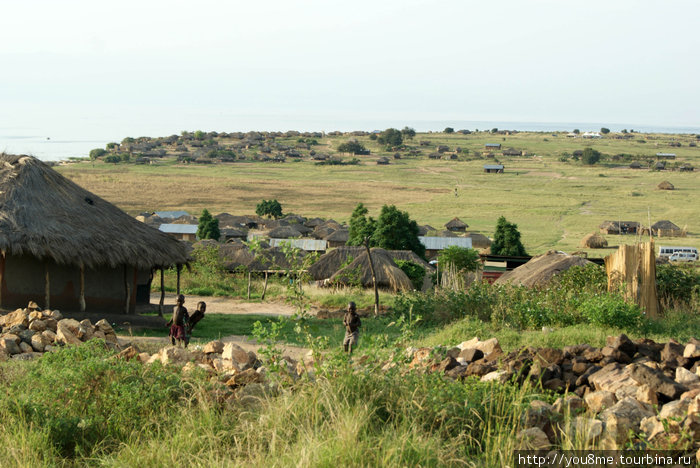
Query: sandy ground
[(225, 305)]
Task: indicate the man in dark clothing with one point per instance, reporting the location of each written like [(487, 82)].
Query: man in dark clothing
[(352, 328), (197, 316), (178, 322)]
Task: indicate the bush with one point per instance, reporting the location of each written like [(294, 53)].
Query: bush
[(590, 156), (449, 130), (97, 153), (415, 272), (390, 137), (677, 283), (604, 130), (208, 227), (611, 310), (113, 159), (353, 147), (269, 208)]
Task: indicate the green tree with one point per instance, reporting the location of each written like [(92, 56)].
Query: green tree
[(361, 232), (391, 137), (604, 130), (463, 258), (97, 153), (506, 240), (397, 231), (113, 159), (208, 227), (576, 131), (269, 208), (353, 147), (408, 133), (449, 130), (112, 145), (199, 135), (590, 156)]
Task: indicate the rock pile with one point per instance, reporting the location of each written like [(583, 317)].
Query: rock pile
[(629, 386), (27, 333)]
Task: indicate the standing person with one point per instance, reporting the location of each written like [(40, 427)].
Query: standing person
[(352, 328), (197, 316), (177, 323)]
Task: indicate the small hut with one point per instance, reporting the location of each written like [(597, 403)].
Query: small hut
[(541, 269), (383, 161), (284, 232), (389, 275), (635, 165), (70, 247), (338, 238), (331, 261), (666, 228), (479, 241), (593, 241), (425, 229), (456, 225), (665, 185)]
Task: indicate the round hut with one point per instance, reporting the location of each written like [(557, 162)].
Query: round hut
[(541, 269), (479, 241), (389, 275), (665, 185), (593, 241)]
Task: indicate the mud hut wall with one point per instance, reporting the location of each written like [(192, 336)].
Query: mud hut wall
[(23, 280)]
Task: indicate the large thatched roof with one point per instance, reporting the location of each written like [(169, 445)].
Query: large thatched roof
[(665, 185), (665, 225), (541, 269), (389, 276), (456, 223), (46, 215), (341, 235), (236, 256), (330, 262), (284, 232), (479, 241)]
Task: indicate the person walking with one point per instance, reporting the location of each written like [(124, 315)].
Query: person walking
[(352, 324), (178, 321)]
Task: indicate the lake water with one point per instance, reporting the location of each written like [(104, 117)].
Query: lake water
[(58, 141)]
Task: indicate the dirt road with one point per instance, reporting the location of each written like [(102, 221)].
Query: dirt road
[(226, 305)]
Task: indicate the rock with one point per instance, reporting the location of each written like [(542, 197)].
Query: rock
[(50, 348), (86, 330), (593, 355), (584, 429), (622, 344), (33, 306), (685, 377), (225, 365), (580, 366), (49, 336), (691, 351), (694, 406), (104, 326), (612, 377), (66, 332), (497, 376), (39, 342), (651, 427), (616, 355), (572, 404), (487, 347), (174, 355), (676, 409), (555, 385), (37, 325), (646, 395), (549, 356), (55, 314), (214, 347), (445, 365), (9, 344), (26, 356), (236, 354), (25, 348), (657, 381), (480, 368), (583, 378), (26, 336), (470, 355), (458, 372), (649, 348), (671, 351), (129, 353), (244, 378), (532, 438), (454, 352), (421, 357), (541, 415), (18, 317), (143, 357), (621, 418), (99, 335), (690, 394), (600, 400)]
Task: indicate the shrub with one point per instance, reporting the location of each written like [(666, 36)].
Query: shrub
[(113, 159), (449, 130), (415, 272), (604, 130), (611, 310), (97, 153), (590, 156), (677, 283), (269, 208), (208, 227), (353, 147), (390, 137)]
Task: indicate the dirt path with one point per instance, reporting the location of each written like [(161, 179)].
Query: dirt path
[(226, 305)]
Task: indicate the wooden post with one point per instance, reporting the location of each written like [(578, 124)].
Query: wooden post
[(127, 288), (162, 293), (179, 269), (264, 287), (47, 288), (249, 285), (82, 288)]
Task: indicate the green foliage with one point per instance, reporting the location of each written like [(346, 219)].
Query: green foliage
[(415, 272), (208, 227), (113, 159), (449, 130), (128, 140), (577, 131), (590, 156), (506, 239), (353, 147), (390, 137), (112, 145), (677, 283), (604, 130), (361, 227), (397, 231), (199, 135), (464, 259), (97, 153), (408, 133), (269, 208), (611, 310)]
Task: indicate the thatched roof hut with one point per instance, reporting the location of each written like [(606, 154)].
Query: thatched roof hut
[(593, 241), (239, 256), (665, 185), (479, 241), (666, 228), (338, 238), (541, 269), (425, 229), (321, 232), (456, 225), (330, 262), (313, 222), (56, 236), (284, 232), (389, 276)]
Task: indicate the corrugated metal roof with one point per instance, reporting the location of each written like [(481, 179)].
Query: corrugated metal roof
[(495, 145), (178, 228), (440, 243), (310, 245), (171, 214), (493, 166), (665, 154)]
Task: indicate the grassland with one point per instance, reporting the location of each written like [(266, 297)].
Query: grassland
[(554, 203)]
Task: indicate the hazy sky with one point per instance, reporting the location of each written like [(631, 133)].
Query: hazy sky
[(186, 65)]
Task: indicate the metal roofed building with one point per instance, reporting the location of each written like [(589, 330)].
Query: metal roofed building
[(186, 232), (171, 214), (433, 245), (494, 168), (309, 245)]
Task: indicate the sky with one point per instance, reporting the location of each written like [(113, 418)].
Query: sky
[(154, 67)]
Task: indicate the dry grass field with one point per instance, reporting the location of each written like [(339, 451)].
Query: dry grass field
[(554, 203)]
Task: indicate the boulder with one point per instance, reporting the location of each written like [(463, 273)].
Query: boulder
[(501, 376), (622, 344), (214, 347), (37, 325), (571, 404), (174, 355), (620, 419), (685, 377), (612, 377), (549, 356), (651, 427), (236, 354), (18, 317), (39, 342), (128, 353), (600, 400), (86, 330), (445, 365), (25, 348), (691, 351), (646, 395), (49, 336), (51, 324), (244, 378), (66, 333), (532, 438), (26, 336), (9, 344), (584, 429), (657, 381), (421, 357), (55, 314), (33, 306), (676, 409), (487, 347), (470, 355), (671, 351)]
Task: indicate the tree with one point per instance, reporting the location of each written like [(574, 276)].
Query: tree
[(390, 137), (97, 153), (361, 232), (408, 133), (449, 130), (208, 227), (269, 208), (576, 131), (397, 231), (506, 240), (494, 130), (604, 130), (590, 156), (462, 258), (353, 147)]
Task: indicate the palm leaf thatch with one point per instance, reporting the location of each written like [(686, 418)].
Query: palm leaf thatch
[(593, 241), (541, 269), (389, 276), (45, 215)]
